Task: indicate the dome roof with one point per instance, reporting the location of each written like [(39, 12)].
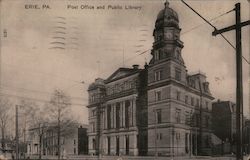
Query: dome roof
[(167, 13), (99, 83)]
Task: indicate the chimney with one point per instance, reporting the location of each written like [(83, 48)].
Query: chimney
[(135, 66)]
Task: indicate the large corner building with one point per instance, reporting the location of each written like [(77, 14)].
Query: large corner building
[(158, 110)]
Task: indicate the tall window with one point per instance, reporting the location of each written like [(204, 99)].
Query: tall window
[(158, 75), (158, 95), (127, 104), (197, 120), (187, 118), (109, 117), (177, 74), (197, 102), (186, 99), (192, 101), (178, 95), (160, 54), (93, 126), (178, 115), (93, 112), (207, 105), (117, 115), (93, 143), (158, 115), (207, 121), (186, 143), (156, 55)]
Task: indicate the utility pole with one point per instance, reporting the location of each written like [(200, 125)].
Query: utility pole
[(17, 143), (239, 88), (156, 134)]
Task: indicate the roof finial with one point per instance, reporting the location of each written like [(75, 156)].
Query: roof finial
[(166, 3)]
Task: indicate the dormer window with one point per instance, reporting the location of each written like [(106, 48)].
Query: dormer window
[(206, 89)]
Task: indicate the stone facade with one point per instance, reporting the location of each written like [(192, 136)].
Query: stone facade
[(116, 120), (157, 110)]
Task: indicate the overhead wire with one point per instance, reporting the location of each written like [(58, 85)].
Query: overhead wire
[(36, 99), (215, 27)]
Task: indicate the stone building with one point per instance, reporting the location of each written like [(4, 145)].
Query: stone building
[(118, 112), (44, 141), (157, 110)]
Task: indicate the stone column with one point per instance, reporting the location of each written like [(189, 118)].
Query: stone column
[(131, 113), (112, 116), (105, 117), (134, 112), (123, 115)]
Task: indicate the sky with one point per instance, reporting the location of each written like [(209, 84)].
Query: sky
[(96, 42)]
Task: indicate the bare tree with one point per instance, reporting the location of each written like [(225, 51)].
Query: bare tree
[(29, 112), (33, 116), (5, 106), (59, 110)]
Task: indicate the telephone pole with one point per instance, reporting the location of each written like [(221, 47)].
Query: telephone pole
[(239, 86), (17, 140)]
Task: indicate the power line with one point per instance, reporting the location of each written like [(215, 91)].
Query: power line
[(215, 27), (36, 99), (18, 89), (43, 73), (223, 14), (212, 19)]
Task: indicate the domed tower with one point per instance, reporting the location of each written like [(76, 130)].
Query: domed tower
[(179, 105), (166, 74), (167, 43)]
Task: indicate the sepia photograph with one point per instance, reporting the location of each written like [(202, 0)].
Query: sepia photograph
[(124, 79)]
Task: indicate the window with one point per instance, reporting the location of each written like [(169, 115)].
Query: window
[(127, 104), (207, 121), (192, 83), (197, 102), (206, 105), (186, 143), (178, 136), (93, 127), (159, 136), (109, 116), (74, 142), (186, 99), (197, 120), (74, 150), (93, 112), (158, 116), (158, 95), (160, 54), (117, 115), (158, 75), (192, 101), (126, 86), (156, 55), (187, 118), (177, 74), (178, 95), (93, 143), (178, 115)]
